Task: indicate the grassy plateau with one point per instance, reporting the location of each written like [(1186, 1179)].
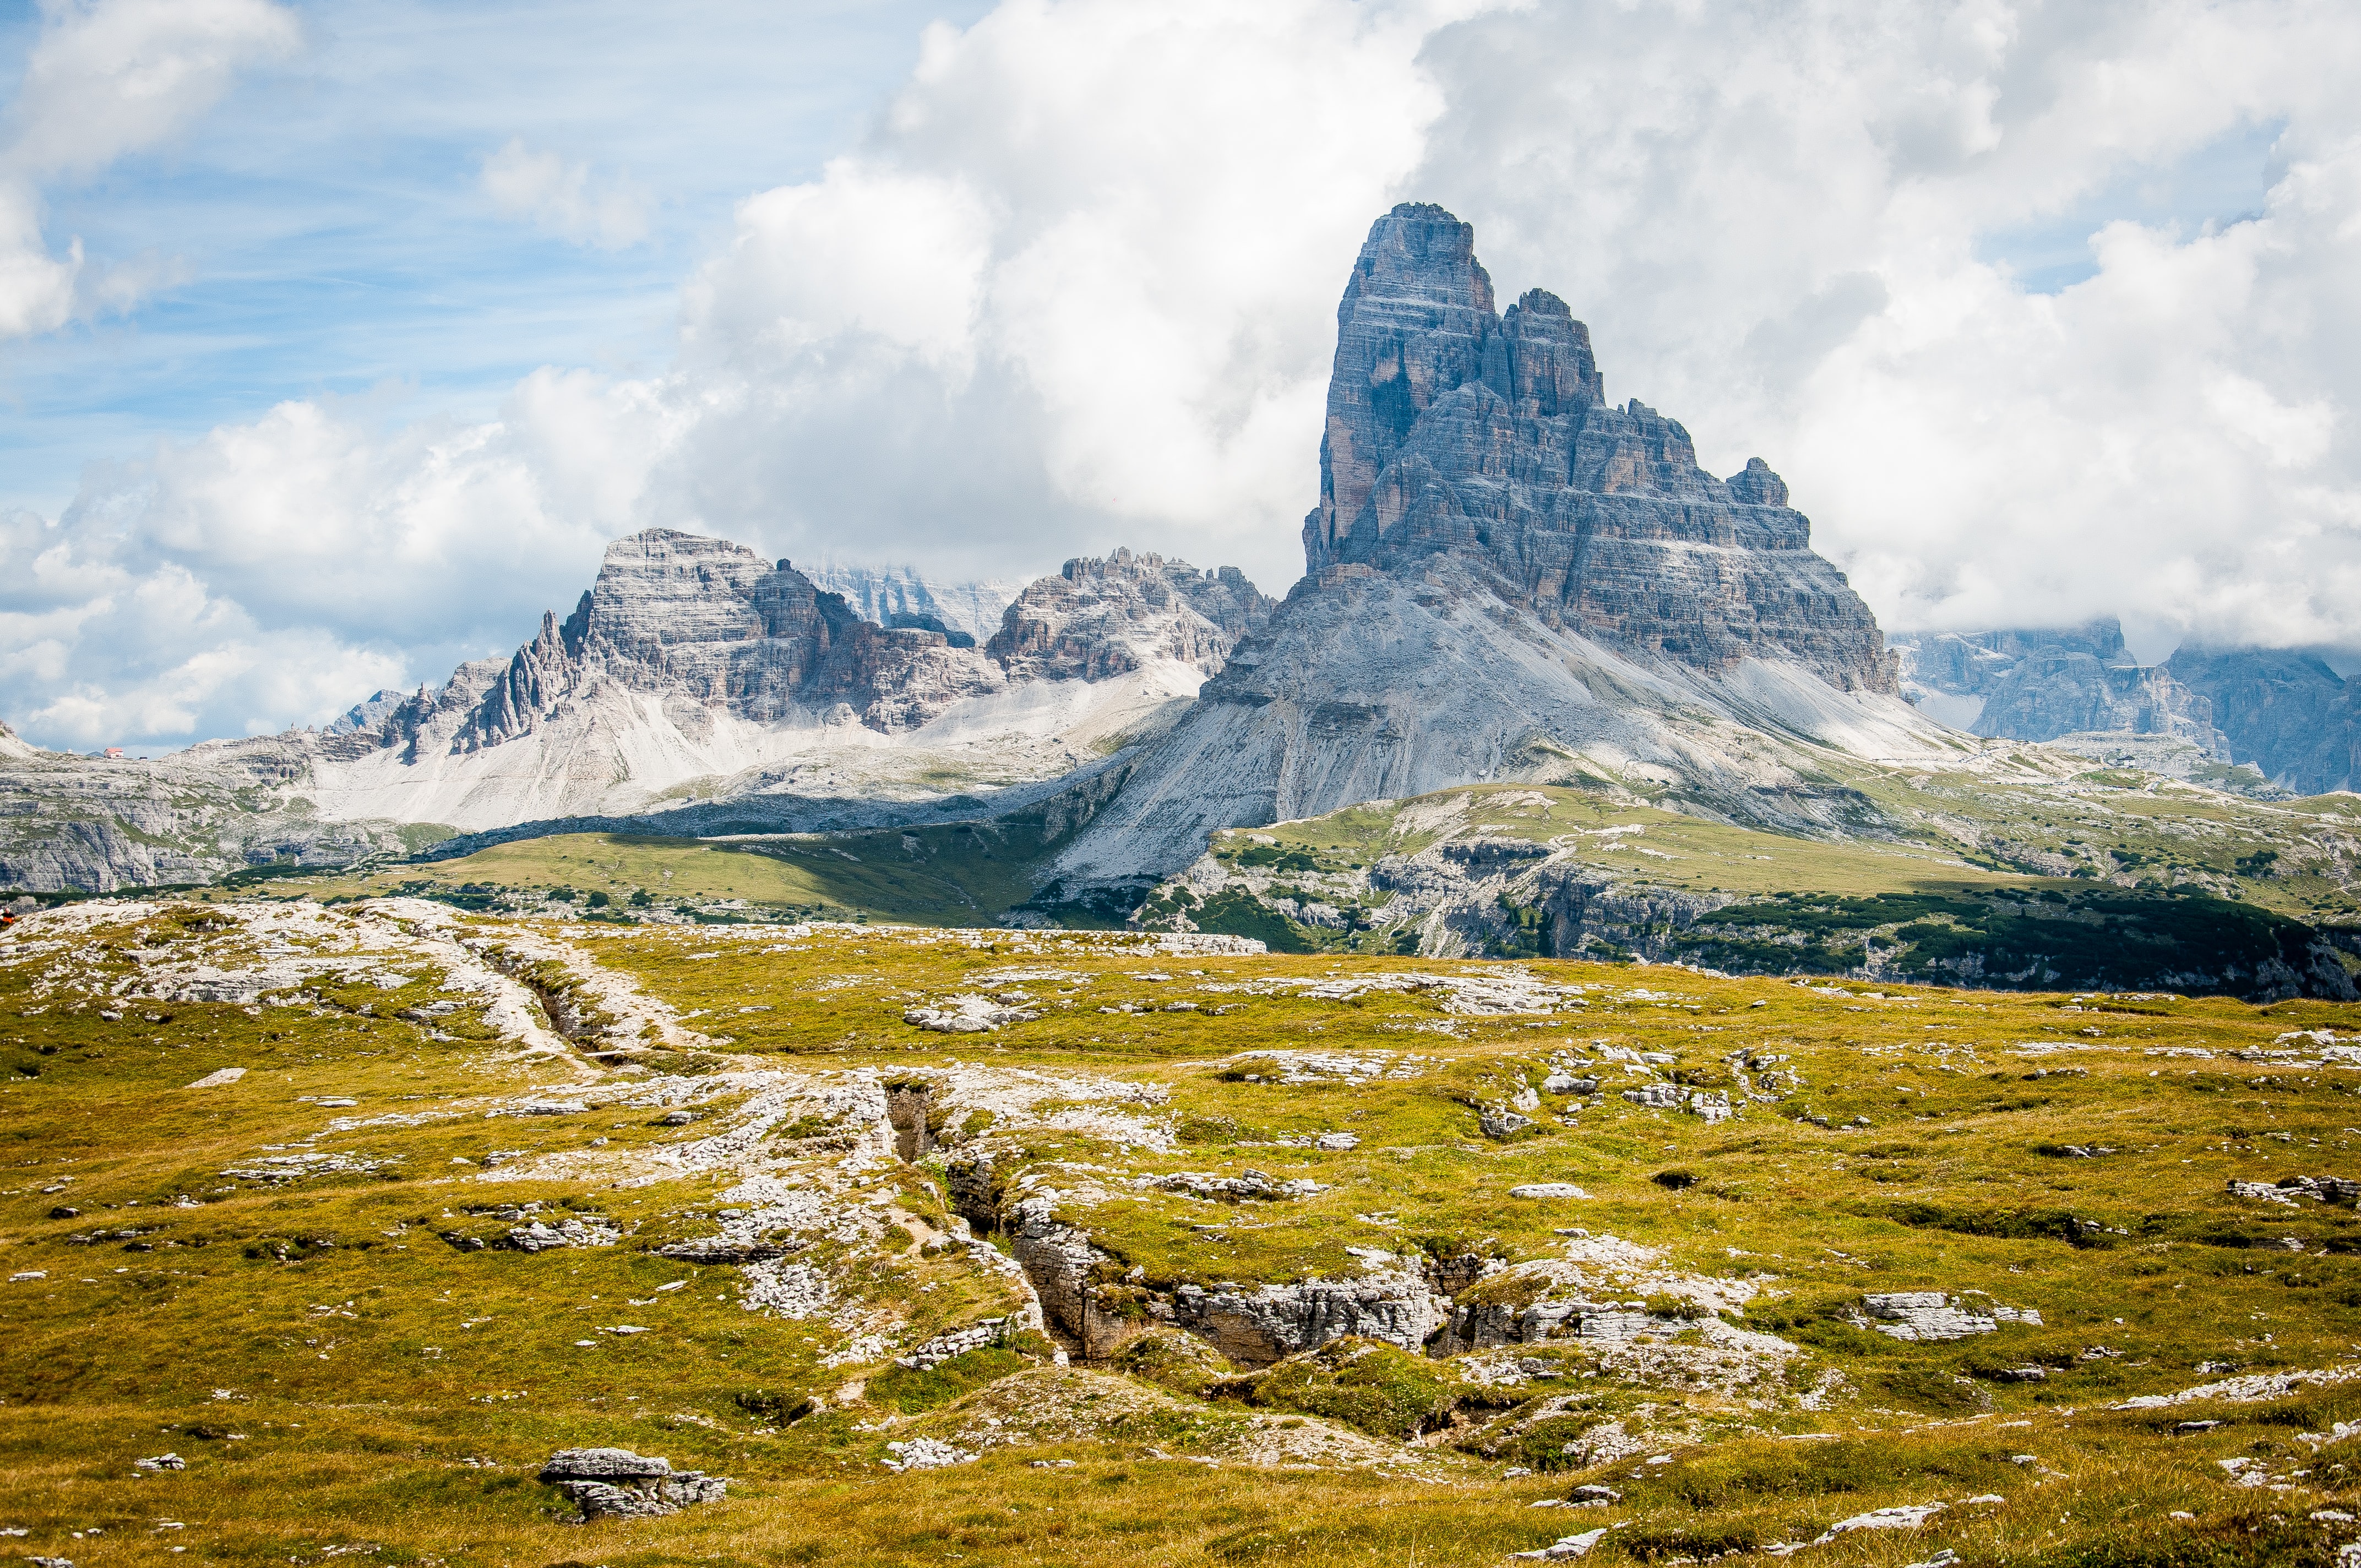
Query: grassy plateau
[(360, 1211)]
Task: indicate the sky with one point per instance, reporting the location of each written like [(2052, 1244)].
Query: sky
[(337, 340)]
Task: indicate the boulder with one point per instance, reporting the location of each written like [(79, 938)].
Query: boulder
[(619, 1484)]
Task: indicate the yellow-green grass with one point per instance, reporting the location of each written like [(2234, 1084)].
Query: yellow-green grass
[(360, 1392), (2172, 832), (960, 874)]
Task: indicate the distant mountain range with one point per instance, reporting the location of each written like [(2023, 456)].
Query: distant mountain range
[(696, 682), (905, 596), (2286, 714)]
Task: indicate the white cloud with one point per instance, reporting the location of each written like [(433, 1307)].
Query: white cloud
[(1076, 288), (110, 76), (563, 199), (1772, 219), (107, 78), (37, 289)]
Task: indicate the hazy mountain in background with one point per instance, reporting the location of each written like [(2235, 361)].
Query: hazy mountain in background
[(886, 593), (2287, 714)]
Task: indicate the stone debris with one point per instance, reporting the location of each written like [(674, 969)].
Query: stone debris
[(2319, 1188), (1713, 1104), (1930, 1315), (219, 1077), (1249, 1183), (1563, 1082), (1565, 1548), (1547, 1190), (536, 1227), (615, 1483), (778, 1288), (1352, 1067), (1908, 1516), (924, 1453), (959, 1342), (280, 1169), (160, 1461), (2253, 1388), (1498, 1121), (968, 1014)]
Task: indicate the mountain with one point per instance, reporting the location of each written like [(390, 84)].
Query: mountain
[(1509, 576), (2285, 714), (903, 595), (692, 672), (2039, 685)]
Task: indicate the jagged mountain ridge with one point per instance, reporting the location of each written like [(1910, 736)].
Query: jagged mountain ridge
[(1451, 429), (692, 670), (1510, 579), (695, 665), (2285, 713)]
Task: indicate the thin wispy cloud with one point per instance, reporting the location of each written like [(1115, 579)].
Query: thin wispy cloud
[(567, 199), (106, 79)]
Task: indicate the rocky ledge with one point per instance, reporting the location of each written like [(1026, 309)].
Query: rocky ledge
[(615, 1482)]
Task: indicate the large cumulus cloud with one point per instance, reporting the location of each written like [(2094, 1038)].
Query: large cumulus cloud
[(1076, 285)]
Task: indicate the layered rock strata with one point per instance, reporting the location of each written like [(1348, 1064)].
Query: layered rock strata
[(2285, 713), (1455, 429), (1509, 577)]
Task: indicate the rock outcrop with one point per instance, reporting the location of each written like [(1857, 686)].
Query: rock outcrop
[(1511, 578), (615, 1482), (99, 823)]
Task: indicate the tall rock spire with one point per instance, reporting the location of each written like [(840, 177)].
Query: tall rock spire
[(1451, 429), (1416, 322)]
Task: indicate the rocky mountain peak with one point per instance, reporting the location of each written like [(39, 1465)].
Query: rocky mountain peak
[(1102, 616), (1455, 430)]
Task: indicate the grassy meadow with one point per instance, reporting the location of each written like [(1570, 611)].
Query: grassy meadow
[(287, 1291)]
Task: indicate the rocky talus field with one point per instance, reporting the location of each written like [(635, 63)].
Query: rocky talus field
[(395, 1233)]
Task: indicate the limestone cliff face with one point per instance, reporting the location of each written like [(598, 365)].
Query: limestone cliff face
[(2285, 712), (1508, 577), (1097, 619), (1452, 429), (701, 619), (2038, 683), (2056, 692)]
